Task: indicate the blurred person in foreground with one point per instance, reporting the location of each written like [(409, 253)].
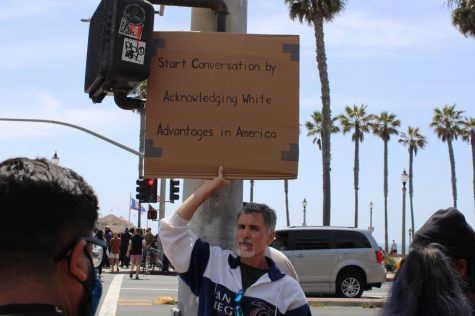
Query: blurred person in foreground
[(47, 269), (226, 284), (437, 276)]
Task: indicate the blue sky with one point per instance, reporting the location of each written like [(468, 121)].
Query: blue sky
[(400, 56)]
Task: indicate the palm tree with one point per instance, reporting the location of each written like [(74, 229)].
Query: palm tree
[(463, 16), (414, 141), (356, 119), (315, 128), (384, 126), (468, 135), (316, 12), (447, 125)]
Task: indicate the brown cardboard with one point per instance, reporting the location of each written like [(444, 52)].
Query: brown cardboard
[(196, 115)]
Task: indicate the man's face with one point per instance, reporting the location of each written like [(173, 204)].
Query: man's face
[(252, 236)]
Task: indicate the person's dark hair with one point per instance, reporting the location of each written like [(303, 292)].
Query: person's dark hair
[(428, 284), (270, 218), (100, 234), (43, 207)]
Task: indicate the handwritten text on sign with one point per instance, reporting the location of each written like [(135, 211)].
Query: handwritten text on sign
[(222, 99)]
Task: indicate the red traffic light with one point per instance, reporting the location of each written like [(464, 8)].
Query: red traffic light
[(151, 182)]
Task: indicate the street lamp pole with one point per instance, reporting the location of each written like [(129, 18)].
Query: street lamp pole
[(404, 179), (304, 204), (410, 235), (371, 228)]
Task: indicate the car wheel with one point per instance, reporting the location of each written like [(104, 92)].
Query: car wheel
[(350, 285)]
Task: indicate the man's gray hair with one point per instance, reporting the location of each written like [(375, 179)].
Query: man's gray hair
[(270, 218)]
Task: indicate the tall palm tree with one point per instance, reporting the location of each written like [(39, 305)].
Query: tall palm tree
[(315, 12), (463, 16), (355, 119), (447, 125), (414, 141), (468, 135), (384, 126)]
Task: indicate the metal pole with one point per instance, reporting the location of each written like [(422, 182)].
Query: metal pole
[(371, 228), (141, 149), (140, 154), (286, 189), (215, 219), (161, 205), (304, 216), (251, 198), (403, 246)]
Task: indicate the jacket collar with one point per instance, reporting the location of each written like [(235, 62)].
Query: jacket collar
[(274, 272)]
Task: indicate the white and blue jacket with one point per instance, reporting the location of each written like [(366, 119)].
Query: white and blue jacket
[(214, 275)]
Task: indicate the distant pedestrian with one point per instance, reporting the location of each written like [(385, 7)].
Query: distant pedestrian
[(100, 235), (107, 237), (114, 251), (437, 276), (124, 244), (393, 250), (136, 245)]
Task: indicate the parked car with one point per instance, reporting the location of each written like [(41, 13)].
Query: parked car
[(333, 260)]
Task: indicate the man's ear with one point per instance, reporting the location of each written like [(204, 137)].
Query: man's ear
[(79, 264), (462, 267), (271, 237)]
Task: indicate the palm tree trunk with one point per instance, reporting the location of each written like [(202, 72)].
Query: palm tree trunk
[(411, 160), (452, 169), (326, 113), (356, 172), (386, 196), (472, 141)]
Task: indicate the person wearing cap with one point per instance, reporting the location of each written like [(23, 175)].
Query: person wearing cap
[(48, 269), (437, 276)]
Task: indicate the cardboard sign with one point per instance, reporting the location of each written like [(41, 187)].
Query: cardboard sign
[(222, 99)]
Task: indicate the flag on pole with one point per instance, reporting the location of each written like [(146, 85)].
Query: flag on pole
[(134, 205)]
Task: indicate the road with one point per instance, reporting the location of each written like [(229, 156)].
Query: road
[(123, 296)]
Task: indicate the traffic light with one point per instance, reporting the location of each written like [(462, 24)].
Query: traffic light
[(119, 50), (151, 213), (174, 190), (147, 190)]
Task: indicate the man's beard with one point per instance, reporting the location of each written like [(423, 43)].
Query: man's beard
[(85, 304), (245, 253)]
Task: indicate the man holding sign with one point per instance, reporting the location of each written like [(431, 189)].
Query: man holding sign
[(247, 284)]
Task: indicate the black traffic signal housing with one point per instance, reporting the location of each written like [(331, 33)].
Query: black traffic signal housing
[(152, 213), (174, 190), (119, 50), (147, 190)]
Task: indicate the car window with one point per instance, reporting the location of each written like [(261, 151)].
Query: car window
[(312, 239), (281, 241), (349, 239)]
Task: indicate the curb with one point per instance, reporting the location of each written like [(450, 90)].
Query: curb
[(353, 302)]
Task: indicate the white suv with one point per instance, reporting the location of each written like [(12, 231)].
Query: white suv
[(333, 260)]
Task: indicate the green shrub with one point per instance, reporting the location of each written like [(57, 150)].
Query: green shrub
[(390, 264)]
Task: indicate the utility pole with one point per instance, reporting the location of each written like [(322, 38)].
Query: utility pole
[(215, 219), (141, 149)]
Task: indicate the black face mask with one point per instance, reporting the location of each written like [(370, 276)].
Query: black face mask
[(92, 292), (92, 285)]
